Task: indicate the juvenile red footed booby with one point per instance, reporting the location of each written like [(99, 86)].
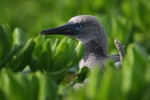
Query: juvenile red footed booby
[(89, 31)]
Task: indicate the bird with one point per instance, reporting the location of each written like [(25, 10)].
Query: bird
[(89, 31)]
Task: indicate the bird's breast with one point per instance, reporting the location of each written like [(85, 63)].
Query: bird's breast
[(92, 62)]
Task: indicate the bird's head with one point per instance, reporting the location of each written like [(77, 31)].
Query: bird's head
[(82, 27)]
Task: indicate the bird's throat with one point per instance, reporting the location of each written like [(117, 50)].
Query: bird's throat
[(96, 48)]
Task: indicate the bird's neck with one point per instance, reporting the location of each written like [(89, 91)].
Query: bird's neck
[(98, 48)]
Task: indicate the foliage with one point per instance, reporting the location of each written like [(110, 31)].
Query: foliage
[(19, 86), (46, 67), (130, 83)]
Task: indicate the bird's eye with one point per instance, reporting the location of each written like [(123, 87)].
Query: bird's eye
[(80, 26)]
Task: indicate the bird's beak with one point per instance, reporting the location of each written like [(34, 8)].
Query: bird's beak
[(63, 30)]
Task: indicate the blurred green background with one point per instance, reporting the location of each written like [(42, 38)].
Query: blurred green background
[(50, 59)]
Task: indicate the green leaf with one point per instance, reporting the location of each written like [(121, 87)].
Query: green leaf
[(47, 88), (23, 57), (5, 41), (16, 88), (18, 37), (135, 65)]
